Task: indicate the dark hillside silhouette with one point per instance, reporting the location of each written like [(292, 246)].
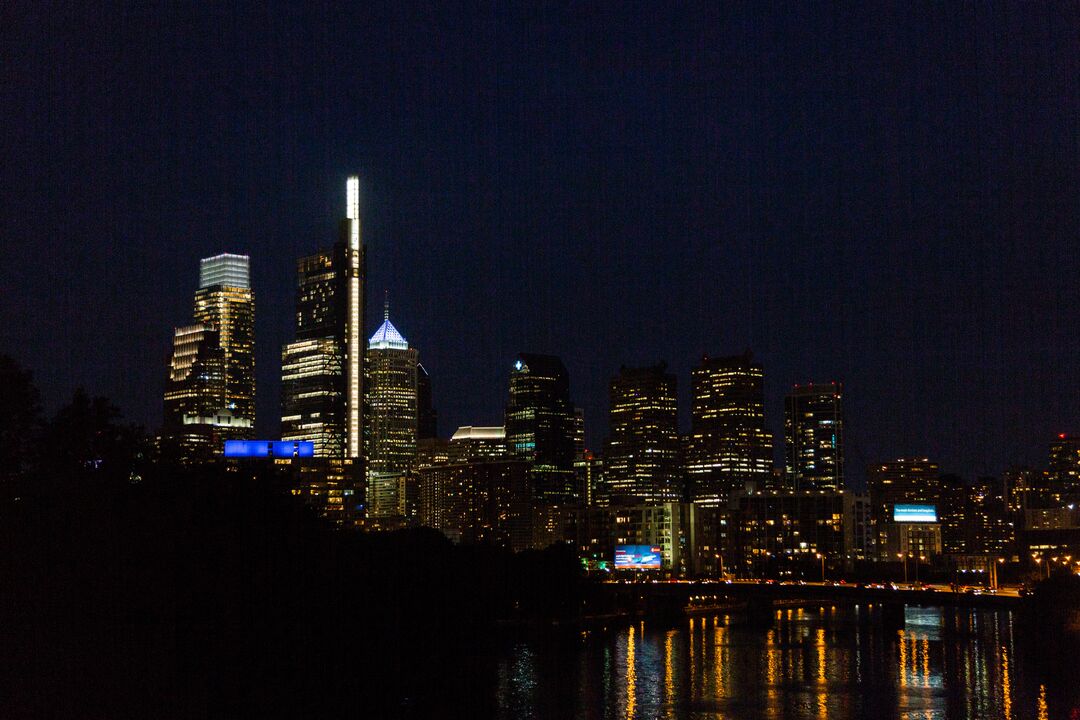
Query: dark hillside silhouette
[(137, 588)]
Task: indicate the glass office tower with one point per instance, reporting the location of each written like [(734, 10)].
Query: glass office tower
[(728, 447), (210, 389), (642, 455), (540, 425), (814, 435), (322, 370), (224, 301), (391, 420)]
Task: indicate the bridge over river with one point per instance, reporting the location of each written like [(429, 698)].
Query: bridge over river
[(760, 600)]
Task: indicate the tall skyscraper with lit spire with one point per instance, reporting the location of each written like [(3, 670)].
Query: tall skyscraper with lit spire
[(391, 421), (322, 373)]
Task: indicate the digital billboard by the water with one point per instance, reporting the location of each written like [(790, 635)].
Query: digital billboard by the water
[(638, 557), (914, 514)]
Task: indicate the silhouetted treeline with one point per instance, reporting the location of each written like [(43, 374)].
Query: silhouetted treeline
[(1050, 619), (132, 587)]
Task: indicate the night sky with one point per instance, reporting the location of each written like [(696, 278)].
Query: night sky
[(883, 195)]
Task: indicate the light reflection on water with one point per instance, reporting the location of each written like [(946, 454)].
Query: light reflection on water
[(828, 663)]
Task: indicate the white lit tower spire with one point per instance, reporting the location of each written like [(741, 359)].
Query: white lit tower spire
[(354, 324)]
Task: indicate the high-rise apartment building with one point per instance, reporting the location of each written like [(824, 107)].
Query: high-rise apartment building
[(775, 530), (196, 383), (313, 395), (322, 373), (391, 420), (642, 454), (814, 434), (540, 425), (474, 444), (1025, 488), (485, 502), (975, 517), (1063, 469), (906, 481), (728, 446)]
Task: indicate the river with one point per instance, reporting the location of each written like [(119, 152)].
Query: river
[(811, 663)]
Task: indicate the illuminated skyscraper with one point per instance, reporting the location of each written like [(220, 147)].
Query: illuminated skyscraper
[(313, 395), (581, 470), (322, 371), (195, 395), (728, 445), (642, 455), (540, 425), (1063, 470), (224, 302), (391, 420), (814, 429), (210, 390)]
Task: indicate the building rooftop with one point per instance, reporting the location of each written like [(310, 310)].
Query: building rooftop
[(470, 432), (225, 269), (387, 336)]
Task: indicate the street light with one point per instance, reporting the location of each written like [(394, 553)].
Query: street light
[(994, 572), (903, 557), (822, 559)]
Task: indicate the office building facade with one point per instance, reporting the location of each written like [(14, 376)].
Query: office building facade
[(391, 420), (814, 437), (642, 453), (486, 502), (728, 447), (224, 301), (905, 481), (1063, 469), (540, 426), (210, 388), (323, 369)]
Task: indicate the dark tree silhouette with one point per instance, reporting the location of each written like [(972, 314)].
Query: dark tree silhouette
[(20, 425), (135, 587), (87, 441)]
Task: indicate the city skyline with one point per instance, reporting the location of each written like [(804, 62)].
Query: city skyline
[(731, 369), (631, 202), (322, 281), (774, 406)]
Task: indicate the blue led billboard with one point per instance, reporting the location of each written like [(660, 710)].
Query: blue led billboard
[(914, 514), (269, 448), (638, 557)]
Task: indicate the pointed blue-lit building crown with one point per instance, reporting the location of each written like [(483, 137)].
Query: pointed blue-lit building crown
[(387, 336)]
